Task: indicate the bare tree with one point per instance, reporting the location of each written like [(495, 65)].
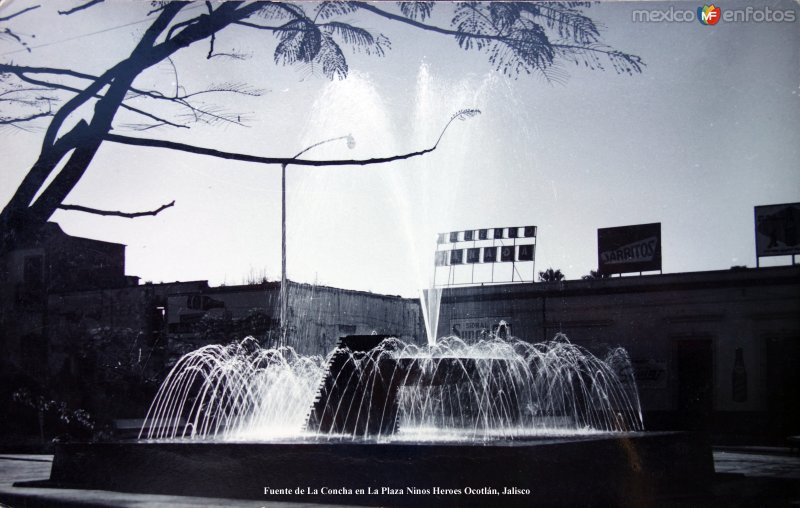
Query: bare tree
[(518, 38)]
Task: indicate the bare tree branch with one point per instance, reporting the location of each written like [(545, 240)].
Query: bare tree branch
[(143, 126), (5, 93), (232, 56), (213, 37), (158, 8), (48, 84), (209, 116), (81, 7), (20, 70), (23, 11), (182, 24), (235, 88), (162, 121), (183, 147), (59, 86), (116, 213), (119, 79), (11, 121), (8, 33), (198, 113), (258, 27)]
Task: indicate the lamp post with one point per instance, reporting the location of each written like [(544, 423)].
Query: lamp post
[(284, 294)]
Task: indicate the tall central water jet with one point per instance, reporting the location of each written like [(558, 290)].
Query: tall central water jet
[(430, 302)]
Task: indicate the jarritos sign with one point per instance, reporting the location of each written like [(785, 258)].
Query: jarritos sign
[(778, 230), (629, 248)]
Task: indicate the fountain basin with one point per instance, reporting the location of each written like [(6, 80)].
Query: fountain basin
[(636, 469)]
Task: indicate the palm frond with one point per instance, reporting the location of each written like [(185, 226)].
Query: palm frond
[(358, 38), (504, 15), (331, 8), (518, 37), (300, 41), (416, 10), (281, 10), (524, 51), (568, 22), (469, 20), (593, 57), (331, 58), (465, 114)]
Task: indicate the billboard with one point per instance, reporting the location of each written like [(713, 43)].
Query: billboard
[(777, 230), (626, 249), (473, 249), (472, 235), (507, 253)]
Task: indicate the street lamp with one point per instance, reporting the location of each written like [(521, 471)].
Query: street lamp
[(351, 143)]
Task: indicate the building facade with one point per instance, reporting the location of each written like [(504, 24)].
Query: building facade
[(317, 316), (76, 331), (715, 350)]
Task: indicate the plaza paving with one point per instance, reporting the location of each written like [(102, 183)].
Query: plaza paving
[(745, 476)]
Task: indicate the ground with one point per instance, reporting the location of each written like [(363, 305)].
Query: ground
[(745, 476)]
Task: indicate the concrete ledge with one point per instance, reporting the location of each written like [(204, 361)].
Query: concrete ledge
[(633, 469)]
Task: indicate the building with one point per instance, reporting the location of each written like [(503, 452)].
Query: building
[(101, 343), (74, 329), (317, 316), (717, 350), (51, 262)]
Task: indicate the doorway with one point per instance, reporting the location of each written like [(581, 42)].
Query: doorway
[(695, 366)]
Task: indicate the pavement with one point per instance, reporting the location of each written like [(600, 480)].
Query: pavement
[(757, 462), (23, 468), (745, 477)]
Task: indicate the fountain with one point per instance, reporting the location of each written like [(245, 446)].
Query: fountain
[(386, 422), (378, 387)]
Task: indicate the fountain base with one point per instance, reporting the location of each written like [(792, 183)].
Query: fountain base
[(637, 469)]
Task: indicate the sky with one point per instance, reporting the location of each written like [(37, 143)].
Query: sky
[(708, 130)]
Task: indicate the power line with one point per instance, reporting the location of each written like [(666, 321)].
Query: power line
[(68, 39)]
